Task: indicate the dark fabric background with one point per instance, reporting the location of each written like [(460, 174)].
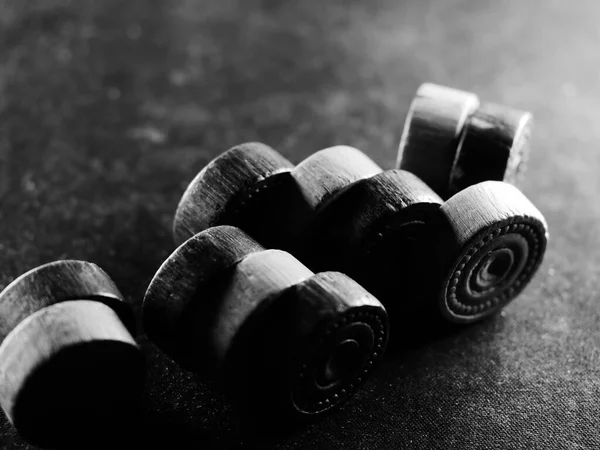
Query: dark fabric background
[(109, 108)]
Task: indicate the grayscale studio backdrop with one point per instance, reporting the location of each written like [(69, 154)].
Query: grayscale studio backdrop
[(109, 108)]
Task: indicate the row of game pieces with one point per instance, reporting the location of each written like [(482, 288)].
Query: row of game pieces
[(263, 292)]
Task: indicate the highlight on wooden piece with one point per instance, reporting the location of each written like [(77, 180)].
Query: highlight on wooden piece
[(68, 361), (495, 243), (431, 133), (55, 282), (494, 146), (181, 280), (226, 331), (317, 343), (230, 184), (318, 179), (326, 172), (70, 369), (380, 231), (254, 188)]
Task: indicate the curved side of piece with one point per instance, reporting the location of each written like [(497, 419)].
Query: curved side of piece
[(209, 194), (184, 279), (494, 146), (431, 133), (71, 364), (56, 282)]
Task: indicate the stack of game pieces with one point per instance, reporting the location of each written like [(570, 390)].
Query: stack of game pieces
[(288, 279)]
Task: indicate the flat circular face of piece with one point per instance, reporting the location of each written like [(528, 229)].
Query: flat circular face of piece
[(57, 282), (431, 133), (312, 347), (326, 172), (225, 184), (70, 371), (182, 284), (498, 240), (494, 146)]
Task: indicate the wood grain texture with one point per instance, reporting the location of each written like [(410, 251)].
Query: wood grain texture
[(495, 244), (69, 369), (494, 145), (330, 170), (380, 231), (431, 133), (258, 278), (309, 349), (222, 306), (56, 282), (236, 173), (316, 180), (252, 187), (184, 279)]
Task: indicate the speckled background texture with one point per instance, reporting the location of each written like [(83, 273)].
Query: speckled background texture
[(109, 108)]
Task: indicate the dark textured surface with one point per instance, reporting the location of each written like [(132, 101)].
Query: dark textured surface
[(109, 108)]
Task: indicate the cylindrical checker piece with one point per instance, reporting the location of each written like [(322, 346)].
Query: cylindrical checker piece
[(252, 187), (181, 280), (225, 184), (496, 243), (379, 230), (366, 211), (328, 171), (67, 358), (331, 350), (56, 282), (433, 126), (69, 369), (234, 313), (494, 146)]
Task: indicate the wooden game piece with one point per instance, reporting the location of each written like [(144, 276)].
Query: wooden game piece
[(198, 262), (431, 133), (318, 179), (224, 331), (328, 171), (495, 242), (69, 367), (493, 146), (379, 231), (55, 282), (317, 343), (254, 188), (68, 362), (236, 180)]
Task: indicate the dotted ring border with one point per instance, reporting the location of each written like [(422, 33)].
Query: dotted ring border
[(331, 400), (457, 308)]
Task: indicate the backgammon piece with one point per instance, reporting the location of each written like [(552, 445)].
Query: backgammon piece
[(379, 231), (493, 146), (254, 188), (69, 366), (326, 172), (55, 282), (225, 328), (494, 244), (70, 370), (195, 264), (236, 181), (318, 178), (432, 130)]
